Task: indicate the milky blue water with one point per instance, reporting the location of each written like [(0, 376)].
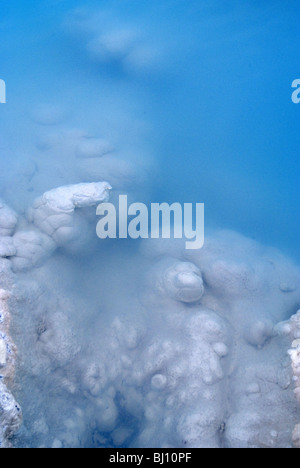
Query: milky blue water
[(201, 88), (216, 100)]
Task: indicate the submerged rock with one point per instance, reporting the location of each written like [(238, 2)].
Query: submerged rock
[(10, 416), (53, 213), (10, 411), (8, 220), (188, 348)]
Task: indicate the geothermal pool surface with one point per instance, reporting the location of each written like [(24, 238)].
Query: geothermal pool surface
[(142, 342)]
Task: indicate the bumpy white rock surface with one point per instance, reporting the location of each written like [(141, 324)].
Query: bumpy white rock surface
[(10, 411), (7, 347), (167, 348), (53, 212), (51, 224), (242, 283), (291, 328), (296, 436), (66, 199), (7, 247), (54, 220), (10, 416), (32, 248), (3, 353), (181, 281)]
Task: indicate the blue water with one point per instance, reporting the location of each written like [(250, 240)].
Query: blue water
[(224, 130), (201, 87)]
